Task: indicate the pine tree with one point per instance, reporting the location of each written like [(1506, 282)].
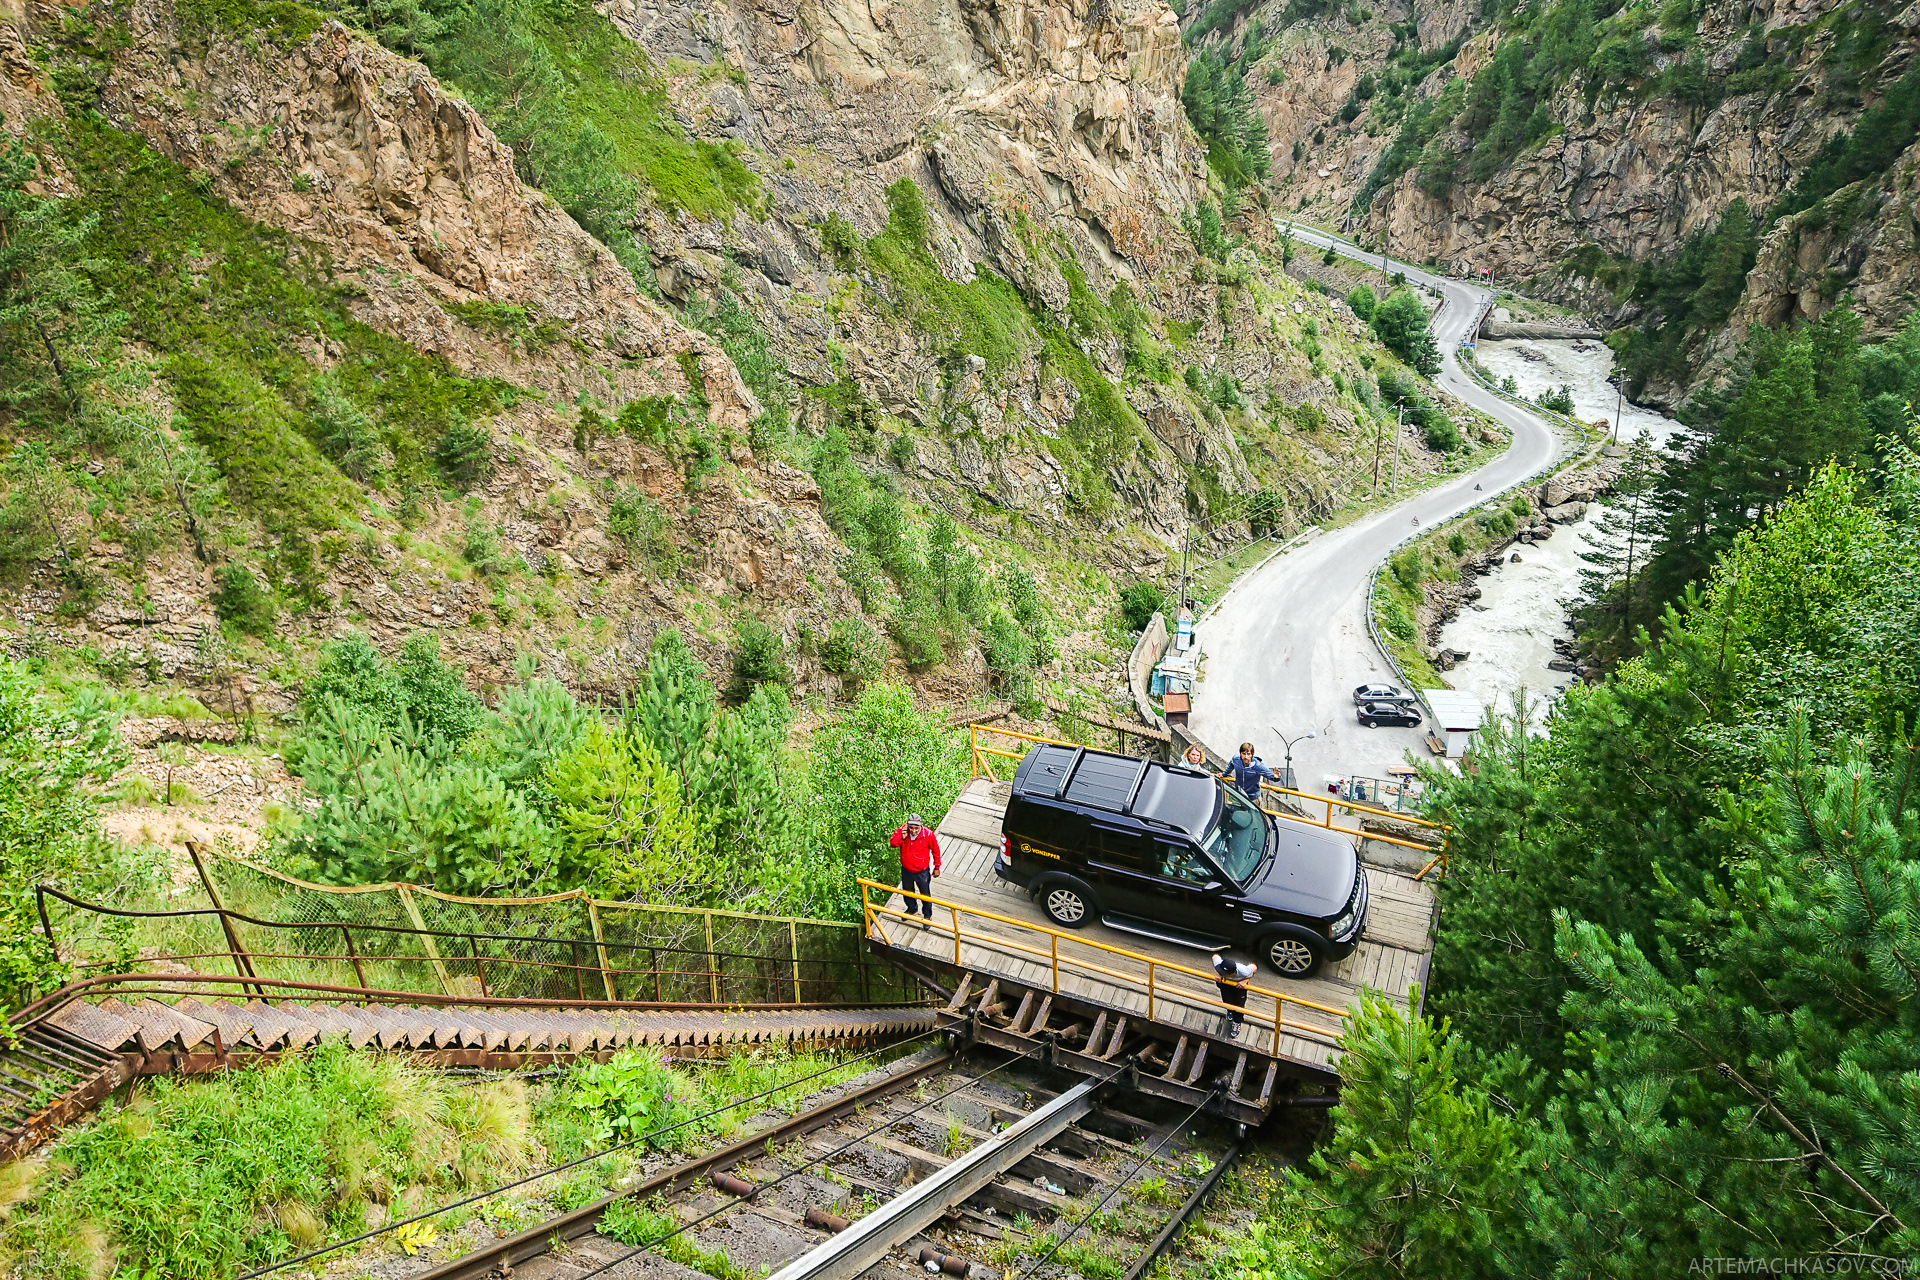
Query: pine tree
[(1421, 1178), (1622, 533), (56, 332)]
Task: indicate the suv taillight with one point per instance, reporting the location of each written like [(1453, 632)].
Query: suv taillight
[(1006, 849)]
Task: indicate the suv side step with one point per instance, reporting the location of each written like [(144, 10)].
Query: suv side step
[(1162, 933)]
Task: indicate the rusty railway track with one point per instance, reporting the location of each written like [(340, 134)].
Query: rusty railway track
[(870, 1181)]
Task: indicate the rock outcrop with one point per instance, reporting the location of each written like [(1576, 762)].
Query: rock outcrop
[(1631, 175)]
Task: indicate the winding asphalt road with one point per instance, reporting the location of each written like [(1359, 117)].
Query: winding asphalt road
[(1286, 646)]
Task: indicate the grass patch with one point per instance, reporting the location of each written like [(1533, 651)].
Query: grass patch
[(281, 22), (204, 1177), (985, 317), (229, 304), (982, 317), (198, 1179), (615, 86)]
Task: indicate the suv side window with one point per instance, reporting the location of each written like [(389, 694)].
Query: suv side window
[(1183, 862), (1125, 849)]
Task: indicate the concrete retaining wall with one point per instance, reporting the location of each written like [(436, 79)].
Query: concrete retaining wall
[(1146, 652)]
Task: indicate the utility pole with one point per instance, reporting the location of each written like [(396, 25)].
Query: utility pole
[(1619, 397), (1378, 431), (1399, 416)]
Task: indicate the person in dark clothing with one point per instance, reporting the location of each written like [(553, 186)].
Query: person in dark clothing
[(1232, 977), (1246, 770), (919, 861)]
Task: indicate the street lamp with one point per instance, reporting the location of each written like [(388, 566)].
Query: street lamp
[(1286, 771), (1619, 381)]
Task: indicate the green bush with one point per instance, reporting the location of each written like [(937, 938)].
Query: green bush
[(852, 651), (1139, 601), (1408, 568), (916, 631), (464, 454), (642, 526), (761, 657), (1397, 619), (241, 602), (1362, 302), (50, 764), (1400, 322), (840, 240), (1521, 507), (1457, 543), (872, 767), (1440, 434)]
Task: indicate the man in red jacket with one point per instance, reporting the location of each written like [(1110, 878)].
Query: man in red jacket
[(919, 861)]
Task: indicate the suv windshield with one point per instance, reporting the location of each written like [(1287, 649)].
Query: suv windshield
[(1239, 840)]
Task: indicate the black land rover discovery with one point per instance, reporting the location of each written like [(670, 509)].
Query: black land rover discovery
[(1170, 852)]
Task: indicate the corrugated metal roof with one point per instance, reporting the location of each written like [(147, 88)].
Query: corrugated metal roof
[(1454, 708)]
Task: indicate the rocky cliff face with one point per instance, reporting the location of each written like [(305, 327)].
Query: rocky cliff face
[(1053, 154), (1632, 174)]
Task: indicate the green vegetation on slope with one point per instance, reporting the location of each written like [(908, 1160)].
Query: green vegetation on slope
[(679, 800), (230, 318), (1810, 394), (1221, 108), (50, 761), (1672, 1013), (199, 1178)]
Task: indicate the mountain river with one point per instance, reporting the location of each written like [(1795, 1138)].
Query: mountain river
[(1508, 633)]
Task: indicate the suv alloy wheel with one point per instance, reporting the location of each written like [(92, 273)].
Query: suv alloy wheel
[(1065, 904), (1290, 954)]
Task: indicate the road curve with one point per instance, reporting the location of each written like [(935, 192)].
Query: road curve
[(1286, 646)]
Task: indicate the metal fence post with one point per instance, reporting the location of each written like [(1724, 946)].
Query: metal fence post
[(793, 949), (46, 922), (346, 936), (242, 962), (600, 945), (426, 939), (713, 961)]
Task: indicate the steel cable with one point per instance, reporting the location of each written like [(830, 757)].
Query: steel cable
[(571, 1164), (861, 1137), (1118, 1186)]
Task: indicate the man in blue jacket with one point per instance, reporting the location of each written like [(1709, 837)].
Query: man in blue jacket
[(1247, 771)]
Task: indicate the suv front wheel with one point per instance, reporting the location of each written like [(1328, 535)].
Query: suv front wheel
[(1293, 953), (1067, 903)]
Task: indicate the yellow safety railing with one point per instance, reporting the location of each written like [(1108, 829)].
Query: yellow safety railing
[(1151, 979), (983, 767)]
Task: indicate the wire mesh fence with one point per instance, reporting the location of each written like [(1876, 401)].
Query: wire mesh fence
[(569, 946)]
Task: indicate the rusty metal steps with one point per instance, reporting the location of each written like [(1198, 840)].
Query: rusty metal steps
[(223, 1026), (65, 1063)]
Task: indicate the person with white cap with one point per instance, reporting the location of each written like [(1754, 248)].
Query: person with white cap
[(1232, 977), (919, 862)]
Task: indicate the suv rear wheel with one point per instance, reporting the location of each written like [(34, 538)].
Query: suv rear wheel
[(1066, 903), (1293, 953)]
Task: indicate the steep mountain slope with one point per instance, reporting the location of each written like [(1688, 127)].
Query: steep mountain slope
[(940, 260), (1598, 152)]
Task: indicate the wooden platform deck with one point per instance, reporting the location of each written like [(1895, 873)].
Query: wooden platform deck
[(991, 929)]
